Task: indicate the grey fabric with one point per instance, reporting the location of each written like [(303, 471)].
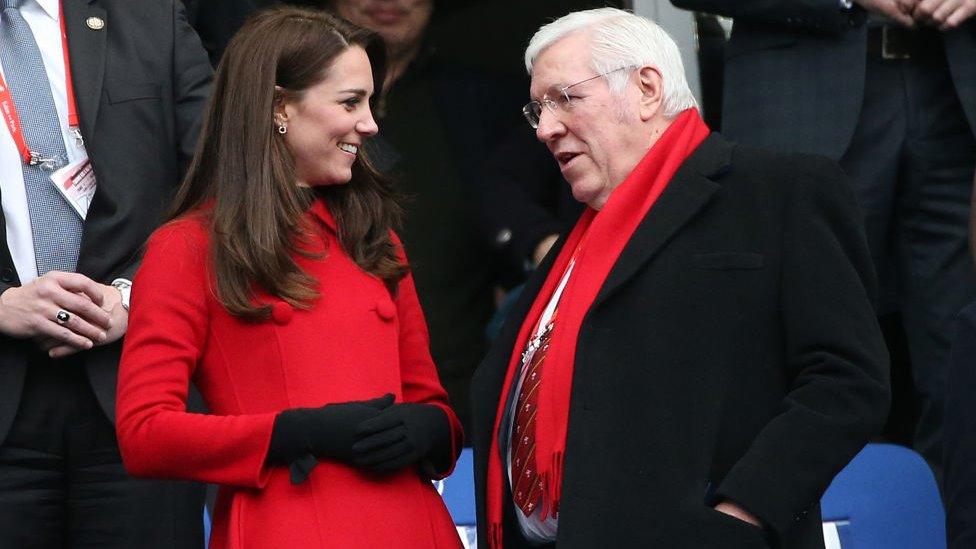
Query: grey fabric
[(56, 227)]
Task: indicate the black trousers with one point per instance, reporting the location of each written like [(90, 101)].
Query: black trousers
[(62, 483), (912, 157)]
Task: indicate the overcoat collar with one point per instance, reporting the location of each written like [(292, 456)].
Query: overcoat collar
[(688, 192)]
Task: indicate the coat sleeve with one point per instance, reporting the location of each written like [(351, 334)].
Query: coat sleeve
[(835, 356), (192, 84), (810, 15), (417, 372), (168, 326), (959, 457)]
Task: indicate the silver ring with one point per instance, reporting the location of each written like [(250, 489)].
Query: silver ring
[(62, 317)]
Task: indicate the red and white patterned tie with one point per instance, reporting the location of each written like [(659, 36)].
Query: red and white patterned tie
[(526, 485)]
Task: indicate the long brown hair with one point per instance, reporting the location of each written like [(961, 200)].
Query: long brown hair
[(243, 168)]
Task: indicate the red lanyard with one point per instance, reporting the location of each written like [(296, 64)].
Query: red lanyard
[(9, 110)]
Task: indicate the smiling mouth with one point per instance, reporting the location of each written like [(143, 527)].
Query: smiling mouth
[(349, 148)]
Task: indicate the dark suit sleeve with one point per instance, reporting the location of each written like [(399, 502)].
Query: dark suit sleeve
[(960, 435), (815, 15), (192, 84), (192, 77), (836, 359)]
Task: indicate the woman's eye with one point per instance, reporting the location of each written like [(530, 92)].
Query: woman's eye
[(351, 103)]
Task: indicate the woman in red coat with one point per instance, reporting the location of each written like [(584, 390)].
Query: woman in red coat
[(281, 292)]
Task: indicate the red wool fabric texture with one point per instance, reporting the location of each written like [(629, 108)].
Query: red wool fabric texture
[(603, 236)]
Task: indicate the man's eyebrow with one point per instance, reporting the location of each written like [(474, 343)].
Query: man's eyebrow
[(552, 88)]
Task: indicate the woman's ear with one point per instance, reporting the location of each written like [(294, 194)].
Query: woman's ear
[(280, 104)]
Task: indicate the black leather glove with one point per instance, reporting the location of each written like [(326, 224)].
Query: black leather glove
[(301, 435), (404, 435)]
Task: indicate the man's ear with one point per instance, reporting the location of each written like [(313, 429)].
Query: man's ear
[(652, 91)]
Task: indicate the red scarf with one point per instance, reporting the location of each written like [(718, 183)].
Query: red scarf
[(607, 232)]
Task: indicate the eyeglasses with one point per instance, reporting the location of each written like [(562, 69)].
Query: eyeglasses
[(563, 101)]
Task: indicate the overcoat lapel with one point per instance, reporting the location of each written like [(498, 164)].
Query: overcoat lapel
[(689, 191), (86, 51)]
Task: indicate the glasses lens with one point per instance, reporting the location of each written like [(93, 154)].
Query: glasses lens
[(532, 111)]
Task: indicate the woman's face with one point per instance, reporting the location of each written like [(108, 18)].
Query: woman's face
[(326, 126), (401, 23)]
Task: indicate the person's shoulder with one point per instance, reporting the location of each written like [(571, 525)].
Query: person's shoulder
[(789, 164), (786, 172), (188, 234)]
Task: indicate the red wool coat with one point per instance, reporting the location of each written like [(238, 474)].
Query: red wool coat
[(355, 343)]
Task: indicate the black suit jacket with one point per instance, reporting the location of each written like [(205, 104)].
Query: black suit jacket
[(731, 353), (141, 82), (794, 72)]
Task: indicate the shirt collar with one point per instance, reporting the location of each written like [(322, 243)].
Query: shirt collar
[(50, 7)]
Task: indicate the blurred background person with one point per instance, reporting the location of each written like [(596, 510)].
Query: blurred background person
[(281, 291), (888, 89), (439, 119), (104, 99)]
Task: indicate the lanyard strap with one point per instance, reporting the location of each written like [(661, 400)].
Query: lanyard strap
[(9, 110)]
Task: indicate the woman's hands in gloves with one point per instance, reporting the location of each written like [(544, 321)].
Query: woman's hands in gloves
[(403, 435), (374, 434), (300, 435)]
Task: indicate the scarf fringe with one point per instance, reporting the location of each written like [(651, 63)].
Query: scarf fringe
[(495, 535)]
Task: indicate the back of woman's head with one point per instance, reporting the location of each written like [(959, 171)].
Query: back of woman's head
[(243, 176)]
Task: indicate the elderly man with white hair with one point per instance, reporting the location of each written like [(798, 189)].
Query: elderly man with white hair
[(697, 359)]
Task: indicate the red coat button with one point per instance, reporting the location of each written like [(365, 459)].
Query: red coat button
[(385, 309), (281, 313)]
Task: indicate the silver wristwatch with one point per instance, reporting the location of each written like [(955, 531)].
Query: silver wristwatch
[(125, 290)]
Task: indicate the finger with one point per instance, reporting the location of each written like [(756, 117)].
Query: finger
[(923, 10), (906, 6), (382, 422), (78, 283), (900, 17), (61, 351), (380, 403), (379, 440), (78, 325), (394, 464), (80, 305), (961, 15), (46, 328), (395, 451), (941, 14)]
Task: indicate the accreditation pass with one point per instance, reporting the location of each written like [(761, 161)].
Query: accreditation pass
[(76, 182)]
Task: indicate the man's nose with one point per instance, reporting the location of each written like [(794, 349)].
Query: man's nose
[(549, 126)]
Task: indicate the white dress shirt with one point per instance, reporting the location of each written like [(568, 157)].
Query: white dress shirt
[(42, 16)]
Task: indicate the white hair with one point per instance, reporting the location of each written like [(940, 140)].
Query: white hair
[(619, 39)]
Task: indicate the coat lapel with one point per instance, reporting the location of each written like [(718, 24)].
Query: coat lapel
[(688, 192), (86, 51)]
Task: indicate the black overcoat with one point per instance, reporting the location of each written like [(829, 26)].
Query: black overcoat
[(731, 353)]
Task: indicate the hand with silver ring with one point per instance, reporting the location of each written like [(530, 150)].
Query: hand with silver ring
[(56, 308)]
